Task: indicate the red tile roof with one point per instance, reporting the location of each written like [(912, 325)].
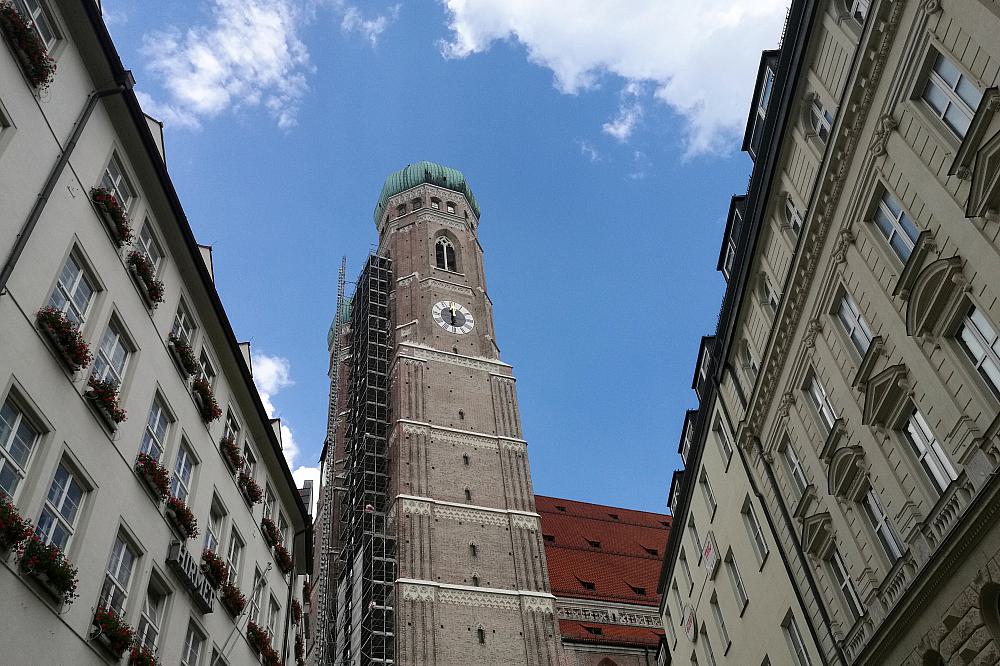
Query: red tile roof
[(610, 634), (624, 568)]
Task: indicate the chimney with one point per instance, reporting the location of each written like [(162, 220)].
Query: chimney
[(206, 255)]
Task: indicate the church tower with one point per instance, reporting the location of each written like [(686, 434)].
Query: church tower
[(456, 521)]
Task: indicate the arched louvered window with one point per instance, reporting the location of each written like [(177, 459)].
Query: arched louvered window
[(444, 254)]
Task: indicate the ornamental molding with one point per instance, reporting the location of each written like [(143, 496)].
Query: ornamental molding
[(538, 605), (479, 597), (419, 352), (417, 592), (486, 515), (787, 400), (415, 507), (845, 238), (524, 522), (884, 128), (468, 438), (406, 279), (606, 615), (515, 445), (445, 285), (462, 514), (813, 329), (840, 154)]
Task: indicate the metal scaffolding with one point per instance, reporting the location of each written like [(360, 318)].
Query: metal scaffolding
[(364, 620)]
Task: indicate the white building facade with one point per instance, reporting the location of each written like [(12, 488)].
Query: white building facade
[(125, 399)]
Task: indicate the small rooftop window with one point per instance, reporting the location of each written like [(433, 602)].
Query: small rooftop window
[(560, 508), (587, 585), (614, 516), (641, 591), (651, 551), (596, 631), (594, 544), (549, 538)]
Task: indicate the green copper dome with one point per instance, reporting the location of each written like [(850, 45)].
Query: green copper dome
[(424, 172)]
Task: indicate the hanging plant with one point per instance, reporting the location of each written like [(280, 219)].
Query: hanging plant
[(271, 534), (231, 453), (144, 271), (205, 397), (35, 60), (13, 528), (283, 558), (156, 476), (104, 394), (296, 611), (65, 336), (215, 570), (50, 566), (183, 353), (111, 630), (257, 637), (142, 656), (113, 214), (180, 514), (250, 489), (232, 599)]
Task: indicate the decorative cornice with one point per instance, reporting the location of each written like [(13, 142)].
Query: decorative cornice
[(440, 509), (425, 591), (419, 352), (601, 614), (468, 438), (445, 285)]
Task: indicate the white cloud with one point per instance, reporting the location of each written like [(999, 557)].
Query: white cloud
[(303, 473), (369, 28), (249, 55), (700, 57), (589, 151), (629, 113), (271, 374)]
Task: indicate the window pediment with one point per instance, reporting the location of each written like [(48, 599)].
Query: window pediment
[(817, 534), (885, 396), (935, 297), (978, 158), (846, 476)]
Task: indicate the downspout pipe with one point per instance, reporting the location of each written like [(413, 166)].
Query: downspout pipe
[(790, 526), (50, 184)]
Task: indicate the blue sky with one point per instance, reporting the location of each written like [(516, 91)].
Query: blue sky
[(603, 154)]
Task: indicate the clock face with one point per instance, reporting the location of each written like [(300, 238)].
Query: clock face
[(453, 317)]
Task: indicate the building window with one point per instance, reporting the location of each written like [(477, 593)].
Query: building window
[(881, 525), (273, 615), (17, 442), (57, 521), (183, 326), (859, 10), (39, 20), (731, 241), (739, 589), (112, 355), (706, 489), (207, 371), (444, 254), (706, 645), (255, 594), (468, 495), (794, 468), (854, 323), (268, 501), (114, 181), (724, 441), (475, 580), (695, 537), (150, 247), (180, 483), (400, 210), (435, 203), (688, 442), (771, 295), (155, 434), (760, 112), (194, 645), (750, 365), (821, 401), (417, 204), (720, 620), (473, 550), (687, 571), (896, 226), (249, 459), (283, 529), (820, 120), (929, 452), (797, 644), (74, 291), (232, 428), (793, 218), (465, 459), (755, 530), (451, 207), (213, 530), (118, 576), (951, 95), (235, 556), (151, 618), (846, 585), (979, 340), (481, 635), (678, 601)]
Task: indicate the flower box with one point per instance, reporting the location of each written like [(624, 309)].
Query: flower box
[(13, 528), (114, 216), (296, 611), (154, 474), (300, 649), (183, 355), (257, 637), (111, 631), (65, 337), (271, 534), (103, 395), (251, 491), (216, 571), (232, 599), (231, 454), (31, 53), (142, 656), (50, 567), (144, 272), (180, 516), (205, 397), (283, 558)]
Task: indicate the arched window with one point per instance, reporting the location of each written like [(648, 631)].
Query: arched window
[(820, 120), (450, 207), (435, 203), (468, 495), (417, 204), (475, 580), (481, 634), (473, 550), (444, 254), (400, 210), (859, 9), (465, 459)]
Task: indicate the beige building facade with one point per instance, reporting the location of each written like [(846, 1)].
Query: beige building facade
[(125, 400), (856, 365)]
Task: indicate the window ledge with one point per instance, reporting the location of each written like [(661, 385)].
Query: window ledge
[(445, 270)]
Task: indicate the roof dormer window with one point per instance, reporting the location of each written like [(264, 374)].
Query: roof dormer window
[(760, 112)]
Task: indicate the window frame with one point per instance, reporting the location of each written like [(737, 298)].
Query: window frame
[(853, 323), (820, 120), (84, 275), (720, 622), (46, 12), (930, 455), (122, 341), (739, 587), (796, 470), (932, 77), (844, 582), (708, 493), (234, 555), (108, 182), (150, 439), (184, 452), (144, 245), (112, 576), (990, 348), (183, 324), (799, 651), (897, 228), (881, 525), (755, 531), (23, 418), (820, 400), (193, 630), (792, 216), (69, 527), (145, 618)]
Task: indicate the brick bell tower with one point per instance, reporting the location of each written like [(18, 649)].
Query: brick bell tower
[(471, 579)]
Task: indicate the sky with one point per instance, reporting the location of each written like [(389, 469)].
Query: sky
[(601, 139)]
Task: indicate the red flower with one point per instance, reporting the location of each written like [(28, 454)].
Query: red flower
[(105, 393), (13, 528), (107, 202), (182, 517), (155, 474), (65, 335), (119, 634), (144, 270), (60, 573), (210, 409), (214, 568), (38, 66)]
